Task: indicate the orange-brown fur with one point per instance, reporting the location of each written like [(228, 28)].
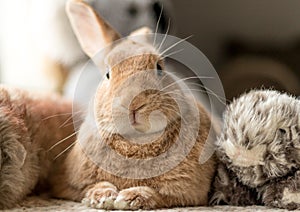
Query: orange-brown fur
[(29, 127), (81, 178), (186, 185), (56, 72)]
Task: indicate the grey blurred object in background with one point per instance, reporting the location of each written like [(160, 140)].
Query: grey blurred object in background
[(246, 72), (256, 65), (129, 15)]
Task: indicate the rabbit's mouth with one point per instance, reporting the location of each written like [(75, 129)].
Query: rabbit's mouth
[(147, 123), (135, 123)]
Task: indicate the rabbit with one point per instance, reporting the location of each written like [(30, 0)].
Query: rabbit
[(30, 126), (116, 162), (259, 149)]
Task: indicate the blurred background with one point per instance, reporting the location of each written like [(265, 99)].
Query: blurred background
[(251, 43)]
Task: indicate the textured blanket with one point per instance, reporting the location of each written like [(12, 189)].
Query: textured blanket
[(39, 204)]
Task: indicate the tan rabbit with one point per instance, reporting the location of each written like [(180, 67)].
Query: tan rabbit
[(29, 127), (134, 121)]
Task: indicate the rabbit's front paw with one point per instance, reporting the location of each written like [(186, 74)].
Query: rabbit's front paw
[(137, 198), (101, 196)]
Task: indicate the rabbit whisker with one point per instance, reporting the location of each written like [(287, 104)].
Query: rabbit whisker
[(173, 53), (208, 92), (194, 85), (176, 95), (62, 125), (181, 117), (163, 78), (61, 141), (56, 115), (165, 36), (65, 150), (183, 98), (175, 44), (179, 100), (184, 79), (157, 24), (171, 108), (72, 122), (66, 122)]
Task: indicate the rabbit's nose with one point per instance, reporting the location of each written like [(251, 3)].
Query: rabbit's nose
[(133, 116)]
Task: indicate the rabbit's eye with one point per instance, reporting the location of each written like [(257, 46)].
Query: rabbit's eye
[(159, 69), (107, 75)]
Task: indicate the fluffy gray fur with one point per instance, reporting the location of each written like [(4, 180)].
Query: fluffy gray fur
[(260, 148)]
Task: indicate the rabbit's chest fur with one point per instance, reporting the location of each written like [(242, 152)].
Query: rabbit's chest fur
[(189, 176)]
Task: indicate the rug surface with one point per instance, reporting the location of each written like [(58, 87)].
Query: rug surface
[(36, 204)]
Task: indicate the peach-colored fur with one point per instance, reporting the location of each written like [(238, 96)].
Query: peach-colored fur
[(81, 179), (29, 126), (186, 185)]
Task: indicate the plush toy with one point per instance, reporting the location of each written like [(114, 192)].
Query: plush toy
[(259, 152)]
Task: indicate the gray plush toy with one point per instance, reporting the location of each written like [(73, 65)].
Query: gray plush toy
[(259, 152)]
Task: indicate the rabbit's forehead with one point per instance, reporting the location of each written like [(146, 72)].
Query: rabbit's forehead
[(132, 66), (129, 49)]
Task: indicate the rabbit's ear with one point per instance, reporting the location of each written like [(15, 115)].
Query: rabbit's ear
[(91, 30), (141, 35), (141, 31)]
